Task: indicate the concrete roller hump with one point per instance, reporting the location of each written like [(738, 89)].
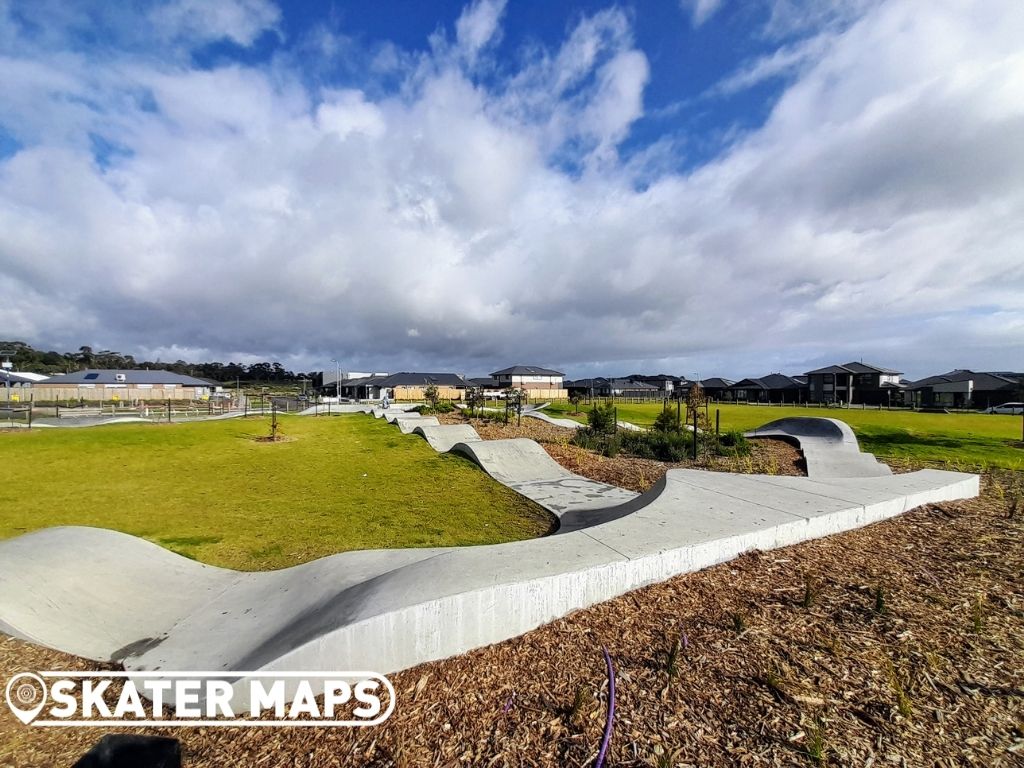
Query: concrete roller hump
[(829, 446)]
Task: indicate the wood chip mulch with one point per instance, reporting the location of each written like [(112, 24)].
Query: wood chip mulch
[(770, 457)]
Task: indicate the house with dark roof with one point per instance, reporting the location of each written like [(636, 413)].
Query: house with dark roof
[(406, 385), (857, 382), (773, 388), (538, 383), (963, 388), (603, 387), (123, 385), (529, 377), (715, 388), (667, 384)]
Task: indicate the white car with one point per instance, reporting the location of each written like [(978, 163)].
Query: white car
[(1013, 408)]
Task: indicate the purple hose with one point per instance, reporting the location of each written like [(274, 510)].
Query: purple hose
[(609, 723)]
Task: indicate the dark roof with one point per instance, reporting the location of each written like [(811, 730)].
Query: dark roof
[(651, 378), (131, 376), (983, 380), (855, 367), (629, 384), (771, 381), (485, 382), (716, 382), (412, 379), (527, 370)]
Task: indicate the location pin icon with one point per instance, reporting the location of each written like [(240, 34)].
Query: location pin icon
[(26, 695)]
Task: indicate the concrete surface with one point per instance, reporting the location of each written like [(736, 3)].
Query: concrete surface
[(829, 447), (109, 596), (444, 437)]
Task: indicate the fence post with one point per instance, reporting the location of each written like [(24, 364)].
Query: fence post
[(718, 416), (695, 435)]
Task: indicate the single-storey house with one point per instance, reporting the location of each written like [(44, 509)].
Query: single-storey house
[(602, 387), (963, 388), (15, 385), (773, 388), (407, 385), (124, 385), (715, 388), (850, 383)]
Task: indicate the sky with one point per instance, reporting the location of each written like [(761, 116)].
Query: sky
[(695, 187)]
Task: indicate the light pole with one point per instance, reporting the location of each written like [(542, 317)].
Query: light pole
[(337, 381)]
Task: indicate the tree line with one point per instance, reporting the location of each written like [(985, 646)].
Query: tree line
[(26, 358)]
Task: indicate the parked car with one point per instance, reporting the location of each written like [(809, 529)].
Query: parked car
[(1015, 408)]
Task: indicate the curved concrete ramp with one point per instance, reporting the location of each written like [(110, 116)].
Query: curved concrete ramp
[(567, 423), (443, 437), (106, 595), (407, 423), (829, 447)]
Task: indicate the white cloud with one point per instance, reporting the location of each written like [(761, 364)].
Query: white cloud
[(478, 25), (701, 10), (463, 222), (240, 21)]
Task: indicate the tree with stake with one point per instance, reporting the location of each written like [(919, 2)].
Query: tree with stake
[(430, 394)]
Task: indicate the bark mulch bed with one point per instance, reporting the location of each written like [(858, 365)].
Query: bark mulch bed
[(900, 644), (771, 457)]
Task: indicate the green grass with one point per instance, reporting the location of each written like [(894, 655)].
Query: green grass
[(960, 439), (211, 492)]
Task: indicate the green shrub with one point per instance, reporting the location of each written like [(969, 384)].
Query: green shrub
[(667, 421), (444, 408), (601, 418), (732, 444), (662, 446)]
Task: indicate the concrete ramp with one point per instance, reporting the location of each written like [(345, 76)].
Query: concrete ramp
[(444, 437), (541, 416), (829, 447), (409, 422)]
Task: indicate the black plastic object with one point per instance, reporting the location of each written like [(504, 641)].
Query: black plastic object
[(129, 751)]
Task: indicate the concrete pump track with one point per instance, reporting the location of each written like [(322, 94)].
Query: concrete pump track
[(109, 596)]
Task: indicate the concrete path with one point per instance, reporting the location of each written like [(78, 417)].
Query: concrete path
[(109, 596), (829, 447)]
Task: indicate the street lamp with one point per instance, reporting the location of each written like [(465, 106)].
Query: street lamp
[(337, 381)]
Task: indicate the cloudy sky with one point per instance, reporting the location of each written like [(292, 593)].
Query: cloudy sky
[(706, 187)]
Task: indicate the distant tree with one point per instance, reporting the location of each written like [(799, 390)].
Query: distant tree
[(576, 398), (431, 395), (475, 399)]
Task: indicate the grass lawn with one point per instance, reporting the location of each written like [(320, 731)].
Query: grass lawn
[(210, 491), (961, 439)]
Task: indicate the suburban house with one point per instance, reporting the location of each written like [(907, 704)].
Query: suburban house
[(405, 386), (715, 388), (667, 385), (602, 387), (773, 388), (965, 389), (16, 384), (122, 385), (539, 383), (859, 383)]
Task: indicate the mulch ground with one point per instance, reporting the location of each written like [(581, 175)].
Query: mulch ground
[(899, 644), (770, 457)]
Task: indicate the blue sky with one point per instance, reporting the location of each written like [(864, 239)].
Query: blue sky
[(697, 186)]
